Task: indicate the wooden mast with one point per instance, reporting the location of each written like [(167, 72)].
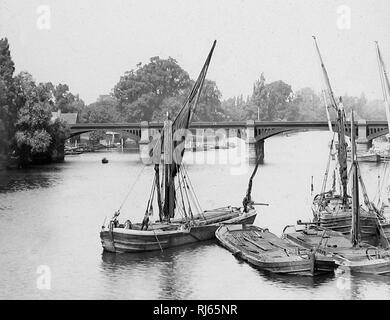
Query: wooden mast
[(355, 189), (173, 138), (169, 185), (342, 151), (342, 148), (384, 82)]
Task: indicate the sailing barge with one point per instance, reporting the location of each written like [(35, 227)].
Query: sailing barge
[(333, 209), (181, 219), (333, 249)]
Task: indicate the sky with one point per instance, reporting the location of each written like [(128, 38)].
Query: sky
[(89, 44)]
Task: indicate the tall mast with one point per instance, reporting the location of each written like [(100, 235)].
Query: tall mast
[(169, 185), (326, 77), (173, 138), (342, 151), (355, 189), (384, 83), (342, 148)]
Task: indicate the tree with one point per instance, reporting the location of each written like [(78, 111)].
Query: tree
[(37, 138), (63, 99), (104, 110), (32, 136), (310, 105), (140, 92), (258, 102), (234, 111), (209, 106), (7, 107)]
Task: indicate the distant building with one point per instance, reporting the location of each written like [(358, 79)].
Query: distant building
[(70, 118)]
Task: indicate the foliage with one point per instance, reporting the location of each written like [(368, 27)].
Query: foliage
[(102, 111), (7, 107), (141, 92), (32, 126), (209, 106)]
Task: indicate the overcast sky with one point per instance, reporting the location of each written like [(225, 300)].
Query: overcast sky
[(91, 43)]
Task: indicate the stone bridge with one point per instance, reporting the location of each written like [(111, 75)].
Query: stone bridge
[(254, 132)]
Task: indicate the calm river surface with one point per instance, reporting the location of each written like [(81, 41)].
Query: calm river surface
[(51, 216)]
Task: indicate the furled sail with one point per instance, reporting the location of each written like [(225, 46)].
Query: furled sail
[(355, 190), (171, 142), (342, 151)]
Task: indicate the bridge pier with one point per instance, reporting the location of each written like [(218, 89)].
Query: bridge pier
[(144, 143), (362, 143), (253, 146)]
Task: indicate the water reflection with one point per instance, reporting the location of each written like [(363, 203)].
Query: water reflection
[(20, 180), (63, 205), (297, 281), (170, 271)]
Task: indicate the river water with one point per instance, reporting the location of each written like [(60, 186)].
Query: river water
[(50, 219)]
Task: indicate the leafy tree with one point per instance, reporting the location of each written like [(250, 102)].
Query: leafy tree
[(32, 136), (63, 99), (37, 138), (7, 107), (310, 105), (104, 110), (209, 106), (171, 106), (258, 102), (141, 92)]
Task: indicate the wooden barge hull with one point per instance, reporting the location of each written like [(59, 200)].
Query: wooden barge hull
[(377, 266), (343, 223), (122, 240), (340, 254), (281, 264), (323, 262)]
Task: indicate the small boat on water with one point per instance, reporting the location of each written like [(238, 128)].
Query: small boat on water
[(181, 219), (104, 160), (264, 250)]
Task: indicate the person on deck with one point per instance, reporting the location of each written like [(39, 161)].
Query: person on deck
[(145, 221)]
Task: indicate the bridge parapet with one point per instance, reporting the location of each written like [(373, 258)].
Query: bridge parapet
[(254, 132)]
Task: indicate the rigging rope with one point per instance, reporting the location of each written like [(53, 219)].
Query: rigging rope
[(192, 190), (327, 165), (131, 188)]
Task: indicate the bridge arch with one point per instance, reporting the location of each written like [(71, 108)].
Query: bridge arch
[(134, 134), (374, 132)]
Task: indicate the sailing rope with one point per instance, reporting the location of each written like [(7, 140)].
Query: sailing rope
[(189, 185), (150, 212), (155, 235), (182, 198), (327, 166), (131, 188), (187, 197)]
